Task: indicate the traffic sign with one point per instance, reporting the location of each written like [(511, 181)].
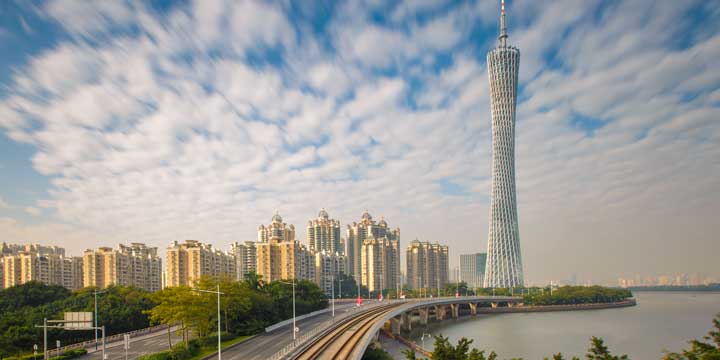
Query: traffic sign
[(57, 344), (126, 341), (78, 320)]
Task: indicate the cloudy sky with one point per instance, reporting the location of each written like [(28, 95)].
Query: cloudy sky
[(159, 121)]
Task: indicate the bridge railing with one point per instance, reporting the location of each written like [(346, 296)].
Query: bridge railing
[(108, 339), (312, 333)]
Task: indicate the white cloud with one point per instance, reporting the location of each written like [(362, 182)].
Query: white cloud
[(170, 133), (33, 210)]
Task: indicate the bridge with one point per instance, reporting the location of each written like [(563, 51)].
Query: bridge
[(322, 336), (348, 339)]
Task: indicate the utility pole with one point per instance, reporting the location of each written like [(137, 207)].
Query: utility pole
[(96, 316), (45, 354), (333, 296), (218, 315)]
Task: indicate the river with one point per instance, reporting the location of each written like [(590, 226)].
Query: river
[(660, 320)]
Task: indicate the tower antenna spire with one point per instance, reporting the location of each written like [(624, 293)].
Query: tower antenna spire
[(503, 30)]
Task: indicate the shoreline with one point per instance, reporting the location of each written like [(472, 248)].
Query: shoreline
[(546, 308), (409, 344)]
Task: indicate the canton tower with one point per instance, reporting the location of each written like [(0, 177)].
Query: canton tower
[(504, 264)]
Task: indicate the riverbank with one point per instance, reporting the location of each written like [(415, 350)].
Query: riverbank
[(545, 308), (660, 320), (409, 344)]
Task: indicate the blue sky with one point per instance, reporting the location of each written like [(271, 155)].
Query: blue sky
[(160, 121)]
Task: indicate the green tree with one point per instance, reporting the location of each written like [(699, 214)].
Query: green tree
[(184, 307), (700, 350), (598, 351)]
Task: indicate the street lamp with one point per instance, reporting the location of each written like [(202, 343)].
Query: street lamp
[(422, 338), (218, 315), (96, 316), (294, 331), (332, 277)]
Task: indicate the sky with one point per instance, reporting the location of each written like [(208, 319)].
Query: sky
[(159, 121)]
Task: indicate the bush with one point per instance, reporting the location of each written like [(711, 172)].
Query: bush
[(164, 355), (70, 354)]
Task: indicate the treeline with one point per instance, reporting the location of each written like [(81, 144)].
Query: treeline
[(711, 287), (247, 307), (22, 307), (570, 295)]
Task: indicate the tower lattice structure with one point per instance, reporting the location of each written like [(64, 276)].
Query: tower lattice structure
[(504, 263)]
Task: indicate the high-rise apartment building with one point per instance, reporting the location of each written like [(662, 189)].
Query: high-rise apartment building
[(72, 273), (34, 262), (327, 267), (277, 230), (427, 265), (323, 234), (504, 264), (135, 265), (472, 269), (245, 258), (191, 260), (356, 235), (280, 256), (380, 262)]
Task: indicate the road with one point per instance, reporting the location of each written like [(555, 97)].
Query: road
[(145, 344), (265, 345), (258, 346)]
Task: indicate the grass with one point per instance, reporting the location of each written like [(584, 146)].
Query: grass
[(211, 349)]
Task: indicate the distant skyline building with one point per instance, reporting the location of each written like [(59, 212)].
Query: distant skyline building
[(135, 265), (20, 264), (323, 234), (356, 235), (327, 267), (245, 258), (190, 260), (277, 229), (472, 269), (427, 265), (380, 262), (504, 263), (280, 256)]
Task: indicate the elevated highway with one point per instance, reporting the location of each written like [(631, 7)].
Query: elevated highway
[(349, 338)]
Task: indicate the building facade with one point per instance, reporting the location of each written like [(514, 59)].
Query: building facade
[(355, 238), (280, 256), (191, 260), (427, 265), (380, 262), (277, 230), (323, 234), (135, 265), (245, 258), (327, 267), (472, 269), (504, 264), (34, 262)]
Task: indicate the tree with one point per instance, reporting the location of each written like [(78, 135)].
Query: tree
[(701, 350), (598, 351), (180, 305), (254, 281)]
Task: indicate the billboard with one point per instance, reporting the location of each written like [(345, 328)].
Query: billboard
[(78, 320)]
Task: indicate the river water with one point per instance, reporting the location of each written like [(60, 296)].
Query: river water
[(660, 321)]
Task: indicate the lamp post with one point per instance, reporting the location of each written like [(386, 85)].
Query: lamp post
[(333, 296), (422, 338), (294, 331), (96, 316), (218, 315)]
